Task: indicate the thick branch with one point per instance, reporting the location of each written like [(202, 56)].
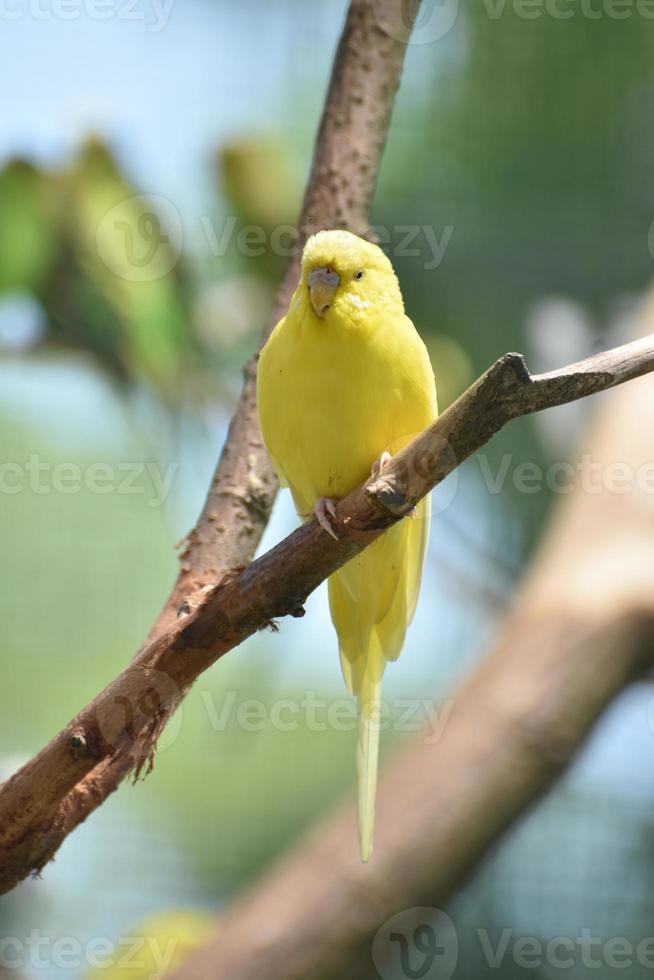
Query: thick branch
[(582, 628), (125, 720), (356, 115)]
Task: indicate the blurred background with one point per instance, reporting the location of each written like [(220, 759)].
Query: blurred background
[(152, 160)]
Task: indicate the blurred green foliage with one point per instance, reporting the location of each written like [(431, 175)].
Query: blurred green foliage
[(29, 237)]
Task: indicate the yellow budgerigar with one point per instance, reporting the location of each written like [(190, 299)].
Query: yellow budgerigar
[(344, 382)]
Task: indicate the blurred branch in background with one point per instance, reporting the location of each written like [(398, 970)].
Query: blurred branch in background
[(582, 628), (119, 730), (350, 142)]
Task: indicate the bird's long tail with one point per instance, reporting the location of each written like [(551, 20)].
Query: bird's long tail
[(368, 720), (372, 600)]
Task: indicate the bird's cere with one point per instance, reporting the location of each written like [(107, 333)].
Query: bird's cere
[(323, 283)]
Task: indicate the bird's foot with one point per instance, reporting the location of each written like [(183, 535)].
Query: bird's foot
[(377, 469), (378, 466), (325, 511)]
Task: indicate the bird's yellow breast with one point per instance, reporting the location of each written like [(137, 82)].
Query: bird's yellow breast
[(333, 397)]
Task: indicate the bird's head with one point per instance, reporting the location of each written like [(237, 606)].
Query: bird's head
[(346, 277)]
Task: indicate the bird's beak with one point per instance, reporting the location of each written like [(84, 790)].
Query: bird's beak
[(323, 283)]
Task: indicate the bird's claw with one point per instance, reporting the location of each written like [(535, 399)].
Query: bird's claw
[(378, 466), (325, 510)]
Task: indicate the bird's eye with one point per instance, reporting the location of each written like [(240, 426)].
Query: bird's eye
[(358, 275)]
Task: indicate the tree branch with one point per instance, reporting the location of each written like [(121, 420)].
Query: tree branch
[(121, 726), (506, 391), (358, 106), (580, 629)]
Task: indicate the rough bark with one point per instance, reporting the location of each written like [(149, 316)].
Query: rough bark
[(118, 731)]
